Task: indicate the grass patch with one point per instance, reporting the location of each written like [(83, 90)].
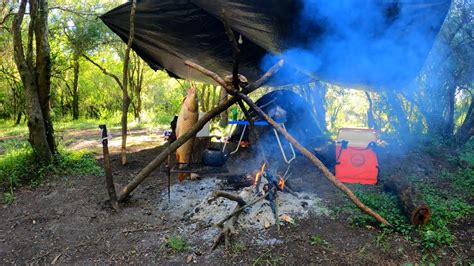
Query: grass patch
[(238, 247), (178, 243), (83, 123), (267, 258), (9, 129), (436, 234), (19, 167), (317, 240)]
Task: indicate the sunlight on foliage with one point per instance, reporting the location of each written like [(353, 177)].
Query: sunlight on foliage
[(19, 167)]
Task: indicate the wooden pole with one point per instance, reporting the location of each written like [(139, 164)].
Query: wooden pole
[(109, 179), (145, 172), (314, 160)]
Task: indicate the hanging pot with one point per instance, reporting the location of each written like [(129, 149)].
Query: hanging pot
[(214, 157)]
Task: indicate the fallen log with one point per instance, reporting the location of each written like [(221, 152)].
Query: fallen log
[(314, 160), (410, 198), (145, 172)]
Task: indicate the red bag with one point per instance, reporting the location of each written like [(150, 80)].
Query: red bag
[(356, 163)]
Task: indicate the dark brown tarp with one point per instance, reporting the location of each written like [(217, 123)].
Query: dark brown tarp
[(168, 32)]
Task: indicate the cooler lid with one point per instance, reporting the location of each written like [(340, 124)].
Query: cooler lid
[(357, 137)]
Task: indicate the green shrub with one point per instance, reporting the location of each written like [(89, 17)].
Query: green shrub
[(19, 167), (317, 240), (178, 243), (467, 153), (435, 234)]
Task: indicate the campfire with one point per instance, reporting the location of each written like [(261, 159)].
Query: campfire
[(263, 201)]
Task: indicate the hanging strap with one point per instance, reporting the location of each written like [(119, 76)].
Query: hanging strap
[(344, 144)]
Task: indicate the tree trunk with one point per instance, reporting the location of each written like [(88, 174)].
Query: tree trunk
[(449, 126), (125, 97), (319, 96), (402, 126), (43, 69), (18, 119), (466, 131), (35, 78), (225, 114), (75, 89), (139, 88), (370, 113)]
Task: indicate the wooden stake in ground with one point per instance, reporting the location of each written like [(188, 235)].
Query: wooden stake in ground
[(108, 168)]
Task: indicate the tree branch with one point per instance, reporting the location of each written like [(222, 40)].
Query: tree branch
[(104, 71), (206, 72)]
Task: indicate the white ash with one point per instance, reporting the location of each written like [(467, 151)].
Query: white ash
[(190, 202)]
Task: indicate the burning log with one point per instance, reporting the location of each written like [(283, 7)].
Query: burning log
[(228, 228), (271, 188), (236, 182), (411, 200)]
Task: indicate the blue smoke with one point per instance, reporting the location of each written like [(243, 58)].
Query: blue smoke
[(375, 43)]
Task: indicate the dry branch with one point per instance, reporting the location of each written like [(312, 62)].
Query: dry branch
[(145, 172), (232, 214), (315, 161), (228, 229)]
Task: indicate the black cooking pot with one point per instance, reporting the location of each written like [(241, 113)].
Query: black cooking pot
[(214, 157)]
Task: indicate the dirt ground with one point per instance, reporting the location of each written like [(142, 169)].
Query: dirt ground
[(67, 220)]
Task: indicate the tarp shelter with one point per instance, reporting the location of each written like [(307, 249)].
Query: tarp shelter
[(392, 40)]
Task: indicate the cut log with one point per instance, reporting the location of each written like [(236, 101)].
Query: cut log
[(410, 198)]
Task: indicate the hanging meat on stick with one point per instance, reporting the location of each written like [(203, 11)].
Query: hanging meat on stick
[(188, 116)]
